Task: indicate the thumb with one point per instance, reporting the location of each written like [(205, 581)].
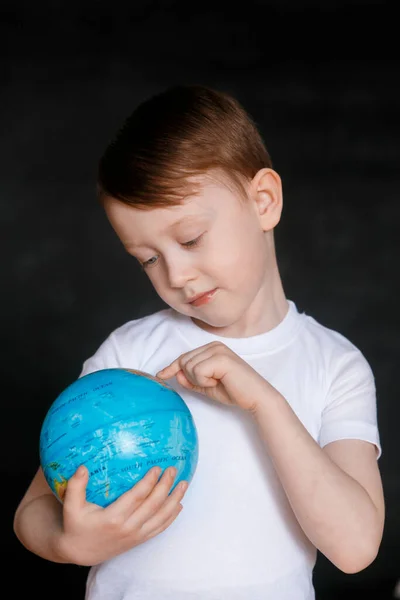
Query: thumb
[(75, 494)]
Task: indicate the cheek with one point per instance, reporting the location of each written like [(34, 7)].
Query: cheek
[(243, 256), (225, 252), (156, 281)]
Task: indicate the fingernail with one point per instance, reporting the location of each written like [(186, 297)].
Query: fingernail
[(81, 471)]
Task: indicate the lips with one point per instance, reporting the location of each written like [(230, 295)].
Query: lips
[(202, 297)]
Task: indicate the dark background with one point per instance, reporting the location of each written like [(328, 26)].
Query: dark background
[(321, 81)]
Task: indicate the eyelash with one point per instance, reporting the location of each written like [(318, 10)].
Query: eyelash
[(189, 245)]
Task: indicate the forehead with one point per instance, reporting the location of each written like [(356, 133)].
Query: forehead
[(135, 226)]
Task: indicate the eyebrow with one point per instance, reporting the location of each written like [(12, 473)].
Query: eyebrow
[(182, 220), (172, 226)]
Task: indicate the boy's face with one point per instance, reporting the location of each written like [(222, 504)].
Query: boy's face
[(213, 241)]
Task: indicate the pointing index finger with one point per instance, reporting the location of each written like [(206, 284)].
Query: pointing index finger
[(169, 371)]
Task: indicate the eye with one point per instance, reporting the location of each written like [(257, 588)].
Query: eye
[(192, 243), (149, 263)]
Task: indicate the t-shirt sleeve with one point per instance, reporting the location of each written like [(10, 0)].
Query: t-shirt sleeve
[(107, 356), (351, 407)]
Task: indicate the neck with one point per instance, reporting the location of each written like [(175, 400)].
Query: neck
[(267, 310)]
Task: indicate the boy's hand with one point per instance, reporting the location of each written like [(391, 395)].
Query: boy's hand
[(217, 372), (93, 534)]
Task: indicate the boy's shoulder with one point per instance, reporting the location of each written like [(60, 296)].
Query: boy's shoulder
[(144, 326), (334, 349), (327, 335), (131, 343)]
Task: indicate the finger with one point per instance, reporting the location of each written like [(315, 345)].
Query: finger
[(166, 511), (203, 370), (180, 362), (165, 525), (75, 494), (169, 371), (131, 500), (184, 381), (154, 501)]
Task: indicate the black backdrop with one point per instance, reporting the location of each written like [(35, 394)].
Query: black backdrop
[(327, 106)]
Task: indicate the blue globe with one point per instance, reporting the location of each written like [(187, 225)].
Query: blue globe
[(119, 423)]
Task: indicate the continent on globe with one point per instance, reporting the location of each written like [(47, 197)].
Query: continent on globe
[(119, 423)]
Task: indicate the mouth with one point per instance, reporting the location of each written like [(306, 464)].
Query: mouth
[(202, 298)]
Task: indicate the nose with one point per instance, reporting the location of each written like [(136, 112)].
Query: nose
[(179, 272)]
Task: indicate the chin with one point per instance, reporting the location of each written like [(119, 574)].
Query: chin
[(216, 321), (213, 316)]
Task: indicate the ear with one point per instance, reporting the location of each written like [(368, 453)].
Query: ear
[(266, 191)]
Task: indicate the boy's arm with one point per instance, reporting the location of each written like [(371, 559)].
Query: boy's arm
[(38, 520), (336, 492), (83, 533)]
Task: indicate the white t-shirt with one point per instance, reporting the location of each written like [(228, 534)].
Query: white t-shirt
[(237, 537)]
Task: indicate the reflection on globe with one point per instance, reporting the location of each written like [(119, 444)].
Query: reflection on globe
[(119, 423)]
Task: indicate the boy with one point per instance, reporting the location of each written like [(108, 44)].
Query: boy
[(285, 408)]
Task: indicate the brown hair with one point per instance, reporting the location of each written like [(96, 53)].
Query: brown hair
[(178, 134)]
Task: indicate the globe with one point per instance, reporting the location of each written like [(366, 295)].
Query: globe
[(119, 423)]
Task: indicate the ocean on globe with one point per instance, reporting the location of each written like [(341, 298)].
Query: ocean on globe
[(119, 423)]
